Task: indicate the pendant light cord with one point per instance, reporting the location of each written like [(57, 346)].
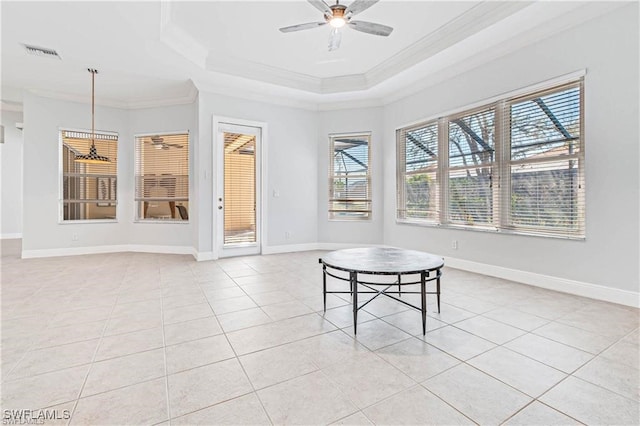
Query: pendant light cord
[(93, 106)]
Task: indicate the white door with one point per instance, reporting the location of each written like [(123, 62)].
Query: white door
[(238, 197)]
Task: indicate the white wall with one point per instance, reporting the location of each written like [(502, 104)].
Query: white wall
[(43, 234), (349, 121), (11, 176), (608, 48), (291, 169), (158, 120)]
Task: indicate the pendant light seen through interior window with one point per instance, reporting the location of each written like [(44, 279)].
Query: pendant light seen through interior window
[(92, 157)]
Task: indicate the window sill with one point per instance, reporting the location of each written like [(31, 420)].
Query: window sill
[(491, 230), (162, 221), (87, 221)]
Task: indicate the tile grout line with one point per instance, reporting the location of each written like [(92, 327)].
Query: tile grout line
[(95, 353), (237, 358), (164, 352), (31, 347)]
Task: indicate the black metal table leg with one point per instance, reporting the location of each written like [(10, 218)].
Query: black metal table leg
[(423, 295), (324, 287), (438, 290), (354, 293)]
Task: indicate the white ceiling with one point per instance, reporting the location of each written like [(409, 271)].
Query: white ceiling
[(157, 53)]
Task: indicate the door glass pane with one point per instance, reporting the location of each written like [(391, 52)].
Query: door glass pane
[(239, 188)]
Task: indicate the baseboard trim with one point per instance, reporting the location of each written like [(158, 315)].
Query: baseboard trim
[(578, 288), (160, 249), (77, 251), (289, 248), (342, 246), (202, 256), (292, 248), (15, 236)]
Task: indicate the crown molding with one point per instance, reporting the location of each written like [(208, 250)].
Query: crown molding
[(531, 31), (244, 93), (112, 103), (345, 83), (471, 22), (176, 38), (527, 27), (188, 98), (360, 103), (11, 106), (265, 73), (463, 26)]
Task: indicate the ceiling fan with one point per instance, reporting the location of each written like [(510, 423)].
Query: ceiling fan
[(159, 143), (337, 16)]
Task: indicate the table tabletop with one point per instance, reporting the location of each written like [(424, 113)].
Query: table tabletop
[(382, 260)]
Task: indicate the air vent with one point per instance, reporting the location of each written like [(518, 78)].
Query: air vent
[(41, 51)]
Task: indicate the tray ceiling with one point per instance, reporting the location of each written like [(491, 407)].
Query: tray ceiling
[(154, 53)]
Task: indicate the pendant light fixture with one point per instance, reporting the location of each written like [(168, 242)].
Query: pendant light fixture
[(92, 157)]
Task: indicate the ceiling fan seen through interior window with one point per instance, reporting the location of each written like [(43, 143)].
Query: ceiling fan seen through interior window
[(338, 16), (159, 143)]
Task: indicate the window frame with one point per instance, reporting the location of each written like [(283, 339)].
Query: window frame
[(61, 199), (506, 218), (367, 215), (501, 175), (445, 180), (136, 210), (402, 174)]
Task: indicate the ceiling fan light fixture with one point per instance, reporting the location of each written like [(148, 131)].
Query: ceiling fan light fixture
[(337, 22), (338, 16)]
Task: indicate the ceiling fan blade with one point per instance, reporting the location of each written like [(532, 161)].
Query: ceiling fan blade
[(334, 39), (360, 5), (300, 27), (371, 28), (321, 6)]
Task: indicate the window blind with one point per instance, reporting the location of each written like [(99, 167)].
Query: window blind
[(239, 188), (89, 191), (546, 159), (349, 178), (418, 189), (471, 161), (515, 165), (162, 177)]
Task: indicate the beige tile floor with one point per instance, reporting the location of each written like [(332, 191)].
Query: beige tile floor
[(134, 338)]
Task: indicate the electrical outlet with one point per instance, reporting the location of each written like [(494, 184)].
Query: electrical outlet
[(454, 244), (74, 237), (287, 234)]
